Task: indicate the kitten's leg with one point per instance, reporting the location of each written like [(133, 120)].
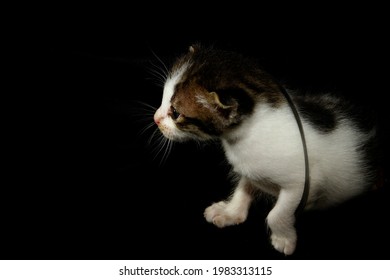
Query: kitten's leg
[(233, 211), (281, 221)]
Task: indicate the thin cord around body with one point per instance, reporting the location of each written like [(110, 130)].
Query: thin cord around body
[(306, 188)]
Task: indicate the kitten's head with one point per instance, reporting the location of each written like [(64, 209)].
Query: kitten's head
[(207, 93)]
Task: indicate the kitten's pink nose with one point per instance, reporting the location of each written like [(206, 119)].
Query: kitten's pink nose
[(157, 118)]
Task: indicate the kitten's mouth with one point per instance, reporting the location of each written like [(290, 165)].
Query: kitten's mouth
[(166, 133), (169, 136), (172, 136)]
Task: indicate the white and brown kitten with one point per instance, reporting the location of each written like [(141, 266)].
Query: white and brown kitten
[(215, 94)]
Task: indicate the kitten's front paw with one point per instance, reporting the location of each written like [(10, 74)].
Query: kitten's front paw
[(219, 215), (283, 244)]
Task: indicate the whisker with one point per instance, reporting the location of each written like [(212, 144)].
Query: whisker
[(147, 115), (146, 128), (153, 135), (146, 105), (172, 144), (158, 71), (143, 113), (162, 62), (159, 81), (158, 77), (166, 152), (160, 146)]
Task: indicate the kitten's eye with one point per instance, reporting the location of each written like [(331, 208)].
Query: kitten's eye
[(175, 113)]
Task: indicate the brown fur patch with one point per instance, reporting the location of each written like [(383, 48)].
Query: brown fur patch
[(238, 82)]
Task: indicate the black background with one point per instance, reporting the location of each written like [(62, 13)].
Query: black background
[(87, 184)]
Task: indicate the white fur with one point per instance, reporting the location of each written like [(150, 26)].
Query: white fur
[(269, 147), (169, 89), (165, 123)]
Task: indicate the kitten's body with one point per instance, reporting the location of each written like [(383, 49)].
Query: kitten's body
[(214, 94)]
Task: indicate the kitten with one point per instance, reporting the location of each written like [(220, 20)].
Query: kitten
[(215, 94)]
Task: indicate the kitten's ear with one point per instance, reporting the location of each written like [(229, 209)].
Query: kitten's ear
[(194, 48), (218, 102)]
